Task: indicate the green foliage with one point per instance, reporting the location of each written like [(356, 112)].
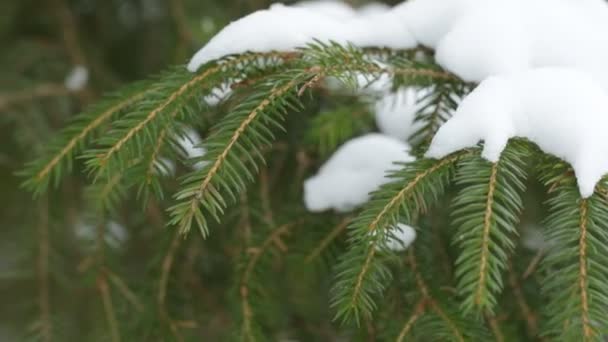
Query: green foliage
[(232, 150), (59, 154), (267, 269), (575, 272), (361, 276), (486, 212), (332, 128)]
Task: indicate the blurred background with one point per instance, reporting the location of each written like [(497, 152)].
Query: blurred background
[(57, 58)]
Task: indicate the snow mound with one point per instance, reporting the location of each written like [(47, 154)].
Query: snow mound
[(283, 28), (357, 168), (563, 110)]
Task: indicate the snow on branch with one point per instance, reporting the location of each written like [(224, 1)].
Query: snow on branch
[(284, 28), (562, 110)]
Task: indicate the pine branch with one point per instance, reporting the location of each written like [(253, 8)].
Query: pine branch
[(436, 108), (333, 234), (173, 95), (160, 119), (360, 276), (440, 320), (524, 307), (576, 276), (248, 327), (486, 212), (409, 324), (60, 152), (240, 134), (179, 86)]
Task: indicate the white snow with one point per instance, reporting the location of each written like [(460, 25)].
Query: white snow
[(395, 112), (357, 168), (218, 94), (430, 20), (190, 142), (475, 39), (77, 79), (541, 65), (563, 110), (116, 235), (334, 9), (165, 167), (400, 238), (283, 28)]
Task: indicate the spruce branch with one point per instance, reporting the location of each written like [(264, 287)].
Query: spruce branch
[(150, 114), (409, 324), (60, 152), (360, 276), (327, 240), (242, 133), (575, 276), (522, 304), (248, 328), (439, 320), (486, 212), (436, 108)]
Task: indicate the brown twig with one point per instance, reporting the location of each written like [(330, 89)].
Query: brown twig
[(495, 327), (40, 91), (426, 294), (167, 264), (106, 298), (257, 253), (181, 24), (69, 31), (531, 322), (328, 239), (409, 324), (124, 289), (534, 264), (46, 329)]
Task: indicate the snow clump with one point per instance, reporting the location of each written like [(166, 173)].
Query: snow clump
[(357, 168), (562, 110)]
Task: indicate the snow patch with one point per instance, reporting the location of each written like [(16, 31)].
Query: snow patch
[(116, 235), (165, 167), (563, 110), (218, 94), (283, 28), (400, 238), (357, 168), (190, 142), (475, 39), (395, 113), (77, 79)]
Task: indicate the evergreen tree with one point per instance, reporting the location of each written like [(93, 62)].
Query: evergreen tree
[(132, 236)]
